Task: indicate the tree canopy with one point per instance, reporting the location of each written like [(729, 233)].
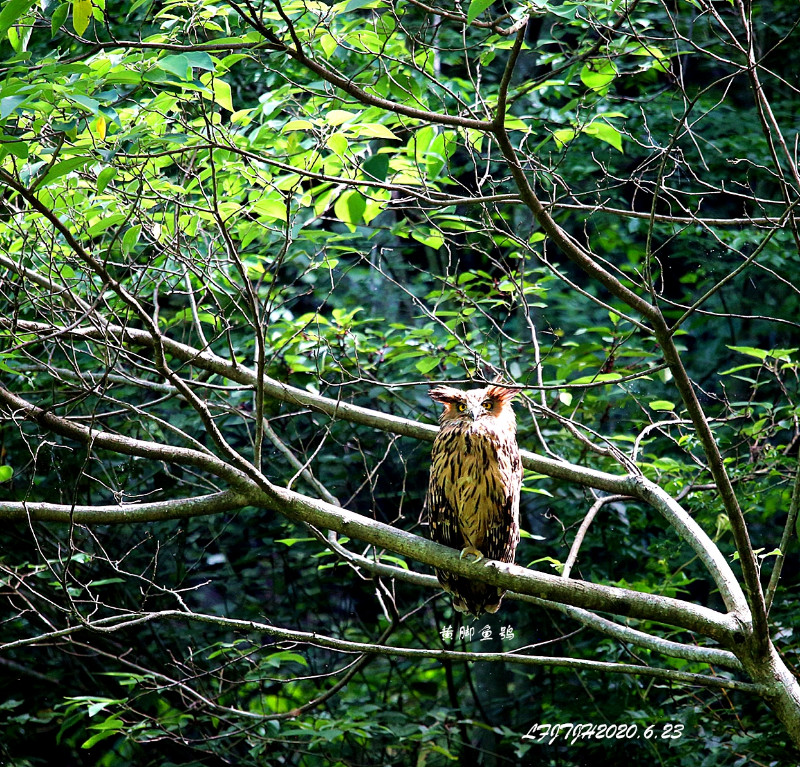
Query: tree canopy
[(238, 243)]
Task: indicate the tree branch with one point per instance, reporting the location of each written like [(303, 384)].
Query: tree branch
[(19, 408), (119, 622), (155, 511), (632, 485)]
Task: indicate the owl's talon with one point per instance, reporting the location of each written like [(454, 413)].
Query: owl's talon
[(471, 551)]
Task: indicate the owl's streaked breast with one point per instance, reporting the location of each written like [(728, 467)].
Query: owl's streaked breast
[(478, 475), (475, 479)]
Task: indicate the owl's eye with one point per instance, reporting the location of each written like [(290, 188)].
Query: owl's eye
[(488, 404), (461, 407)]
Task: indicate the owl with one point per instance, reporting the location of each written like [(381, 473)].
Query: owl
[(473, 495)]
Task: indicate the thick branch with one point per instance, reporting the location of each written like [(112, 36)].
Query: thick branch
[(631, 485), (155, 511), (21, 409), (723, 628)]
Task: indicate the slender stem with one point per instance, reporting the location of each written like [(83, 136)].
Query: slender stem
[(348, 86), (126, 621), (508, 73), (560, 238), (786, 539), (725, 280), (583, 529)]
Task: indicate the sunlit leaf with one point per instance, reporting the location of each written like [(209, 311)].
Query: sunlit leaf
[(598, 74), (661, 404), (476, 8), (81, 14)]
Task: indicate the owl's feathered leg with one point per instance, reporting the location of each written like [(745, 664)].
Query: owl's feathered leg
[(468, 551)]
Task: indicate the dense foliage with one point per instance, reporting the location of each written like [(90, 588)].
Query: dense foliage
[(223, 223)]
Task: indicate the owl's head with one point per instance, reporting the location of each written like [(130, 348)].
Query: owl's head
[(476, 405)]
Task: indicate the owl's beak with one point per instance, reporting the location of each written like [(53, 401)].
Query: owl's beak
[(475, 412)]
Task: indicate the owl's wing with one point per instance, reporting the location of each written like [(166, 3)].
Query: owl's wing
[(501, 538), (442, 514), (442, 517), (502, 535)]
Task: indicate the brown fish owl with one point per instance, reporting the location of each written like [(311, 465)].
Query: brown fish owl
[(473, 496)]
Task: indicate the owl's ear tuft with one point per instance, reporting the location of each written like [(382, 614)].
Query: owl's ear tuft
[(446, 395), (501, 393)]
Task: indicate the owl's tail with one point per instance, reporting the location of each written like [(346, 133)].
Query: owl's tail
[(469, 596)]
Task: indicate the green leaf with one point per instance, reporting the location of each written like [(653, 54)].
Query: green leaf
[(762, 354), (136, 4), (181, 64), (81, 13), (105, 222), (431, 238), (9, 104), (58, 18), (349, 208), (108, 728), (598, 378), (339, 116), (271, 207), (399, 561), (16, 148), (598, 75), (12, 12), (750, 351), (605, 132), (376, 167), (89, 103), (63, 168), (6, 472), (328, 43), (436, 156), (220, 89), (131, 238), (661, 404), (437, 749), (338, 143), (104, 178), (377, 130), (427, 364), (292, 541), (104, 582), (563, 136), (200, 60), (286, 656), (18, 35), (476, 8), (293, 125), (177, 65)]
